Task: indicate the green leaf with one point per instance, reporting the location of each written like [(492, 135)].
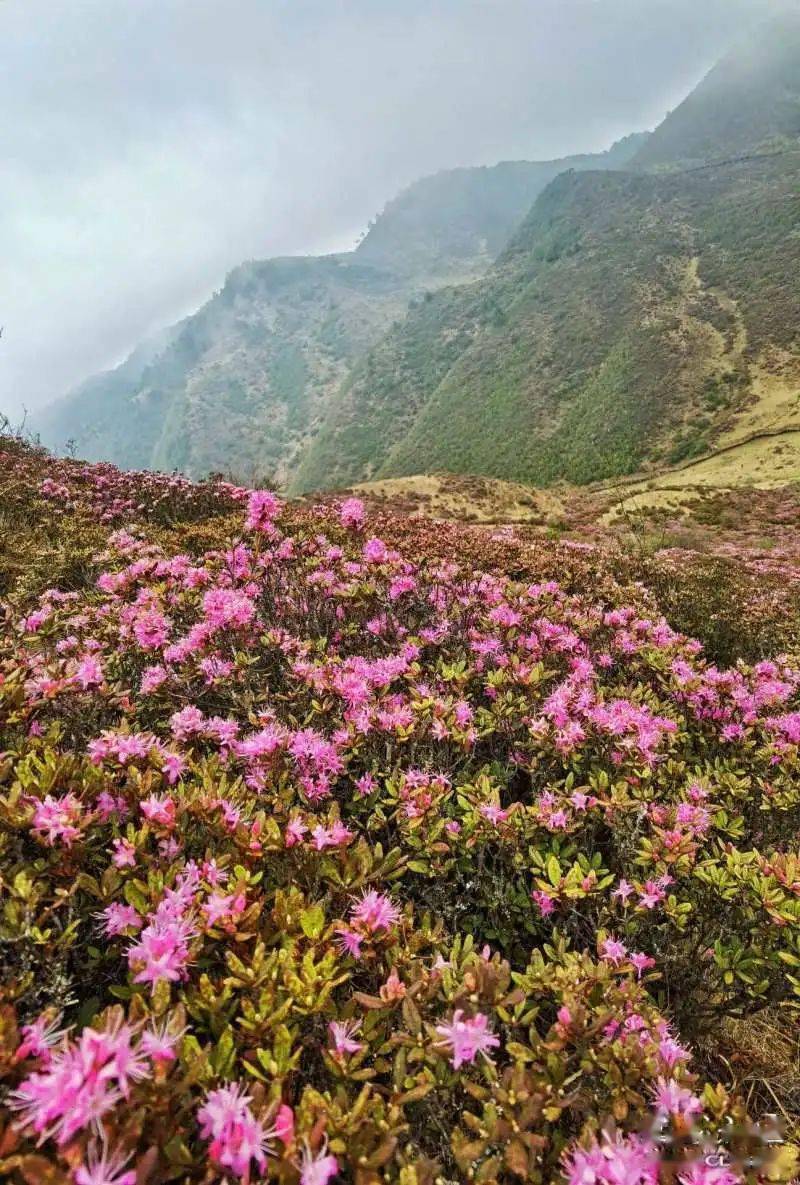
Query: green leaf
[(312, 921)]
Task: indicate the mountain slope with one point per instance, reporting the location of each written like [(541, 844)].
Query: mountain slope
[(750, 99), (628, 323), (245, 382)]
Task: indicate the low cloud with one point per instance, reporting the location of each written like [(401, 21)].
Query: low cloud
[(148, 147)]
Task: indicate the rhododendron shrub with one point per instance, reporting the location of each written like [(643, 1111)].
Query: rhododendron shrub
[(321, 860)]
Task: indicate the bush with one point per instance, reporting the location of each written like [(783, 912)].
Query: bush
[(334, 862)]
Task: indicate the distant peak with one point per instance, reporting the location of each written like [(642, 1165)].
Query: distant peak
[(749, 99)]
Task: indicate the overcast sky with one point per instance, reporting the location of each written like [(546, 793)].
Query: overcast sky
[(148, 146)]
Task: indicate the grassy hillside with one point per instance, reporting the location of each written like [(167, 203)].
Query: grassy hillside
[(244, 383), (632, 321), (461, 214), (624, 325)]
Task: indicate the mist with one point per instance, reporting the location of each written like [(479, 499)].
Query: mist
[(150, 146)]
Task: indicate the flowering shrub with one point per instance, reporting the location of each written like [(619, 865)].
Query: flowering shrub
[(325, 861)]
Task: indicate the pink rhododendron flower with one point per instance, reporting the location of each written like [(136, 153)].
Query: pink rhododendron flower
[(699, 1172), (159, 810), (319, 1169), (103, 1167), (613, 951), (89, 672), (236, 1138), (544, 901), (117, 918), (374, 912), (81, 1084), (642, 963), (151, 629), (375, 551), (159, 1042), (58, 819), (284, 1124), (342, 1034), (673, 1099), (349, 941), (263, 507), (40, 1037), (467, 1037), (124, 854), (223, 907), (621, 1160), (352, 512), (162, 951)]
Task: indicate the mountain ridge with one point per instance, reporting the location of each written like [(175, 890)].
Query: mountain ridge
[(619, 321), (623, 327), (243, 383)]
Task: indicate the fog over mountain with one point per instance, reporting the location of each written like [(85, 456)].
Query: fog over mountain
[(148, 148)]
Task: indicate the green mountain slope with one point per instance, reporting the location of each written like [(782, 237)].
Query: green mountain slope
[(629, 321), (245, 383)]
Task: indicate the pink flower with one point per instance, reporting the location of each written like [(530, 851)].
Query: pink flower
[(494, 813), (374, 912), (124, 854), (212, 873), (339, 833), (117, 918), (262, 508), (545, 902), (152, 678), (173, 766), (40, 1037), (102, 1167), (375, 551), (294, 832), (393, 989), (641, 963), (169, 848), (623, 1160), (613, 951), (89, 672), (284, 1124), (219, 906), (162, 952), (159, 810), (58, 818), (349, 942), (467, 1038), (107, 805), (671, 1052), (80, 1085), (228, 608), (151, 629), (352, 513), (674, 1099), (701, 1173), (341, 1033), (652, 896), (186, 722), (236, 1136), (317, 1170), (159, 1043)]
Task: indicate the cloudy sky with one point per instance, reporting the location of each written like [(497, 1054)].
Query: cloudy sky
[(148, 146)]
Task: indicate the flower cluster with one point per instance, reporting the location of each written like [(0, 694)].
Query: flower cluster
[(327, 858)]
